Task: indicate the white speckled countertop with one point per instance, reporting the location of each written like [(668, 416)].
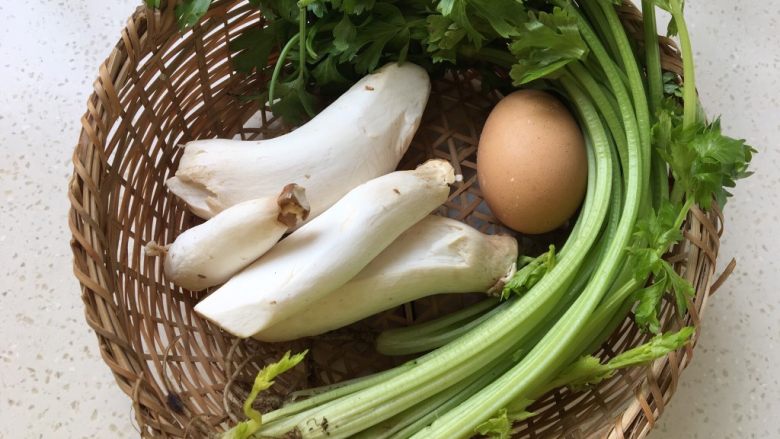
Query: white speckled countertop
[(53, 382)]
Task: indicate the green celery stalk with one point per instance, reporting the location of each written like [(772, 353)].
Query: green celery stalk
[(637, 88), (655, 85), (690, 97), (605, 107), (408, 344), (606, 34), (540, 364), (399, 426), (412, 339)]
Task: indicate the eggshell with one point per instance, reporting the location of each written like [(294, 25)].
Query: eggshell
[(531, 163)]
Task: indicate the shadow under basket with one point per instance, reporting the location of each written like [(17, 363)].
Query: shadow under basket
[(186, 378)]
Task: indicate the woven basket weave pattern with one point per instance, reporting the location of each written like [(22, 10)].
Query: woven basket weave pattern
[(159, 89)]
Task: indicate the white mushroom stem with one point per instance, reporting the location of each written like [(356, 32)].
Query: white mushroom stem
[(209, 254), (329, 251), (437, 255), (361, 136)]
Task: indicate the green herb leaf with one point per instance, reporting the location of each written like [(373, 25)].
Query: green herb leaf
[(548, 43), (506, 17), (674, 7), (152, 3), (484, 20), (671, 85), (444, 37), (654, 349), (646, 312), (683, 290), (353, 7), (497, 427), (530, 272), (263, 381), (456, 11), (286, 10), (704, 161), (500, 426), (517, 410), (386, 25), (327, 73), (189, 12), (659, 229), (295, 104), (584, 372), (344, 34), (252, 48), (654, 235), (318, 8), (589, 371)]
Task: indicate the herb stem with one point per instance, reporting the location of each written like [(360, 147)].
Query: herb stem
[(278, 67), (660, 173), (690, 98), (409, 343), (498, 57), (655, 82), (302, 40)]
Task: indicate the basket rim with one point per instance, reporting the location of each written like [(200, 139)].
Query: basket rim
[(144, 34)]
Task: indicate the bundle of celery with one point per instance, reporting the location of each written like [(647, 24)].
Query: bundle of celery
[(485, 365)]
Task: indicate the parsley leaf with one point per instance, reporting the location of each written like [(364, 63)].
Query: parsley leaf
[(295, 103), (484, 20), (252, 48), (356, 7), (189, 12), (344, 34), (366, 44), (456, 11), (504, 16), (286, 10), (548, 43), (444, 37), (327, 72)]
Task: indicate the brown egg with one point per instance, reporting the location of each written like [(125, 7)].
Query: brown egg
[(531, 163)]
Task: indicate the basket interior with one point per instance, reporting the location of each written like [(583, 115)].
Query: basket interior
[(194, 377)]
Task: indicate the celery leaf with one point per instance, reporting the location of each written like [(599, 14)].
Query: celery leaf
[(531, 271), (703, 160), (589, 370), (547, 43), (500, 426), (263, 381)]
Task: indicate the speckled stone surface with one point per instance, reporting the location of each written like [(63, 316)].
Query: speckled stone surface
[(53, 382)]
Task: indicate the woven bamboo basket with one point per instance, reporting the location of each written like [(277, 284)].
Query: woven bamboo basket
[(160, 88)]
